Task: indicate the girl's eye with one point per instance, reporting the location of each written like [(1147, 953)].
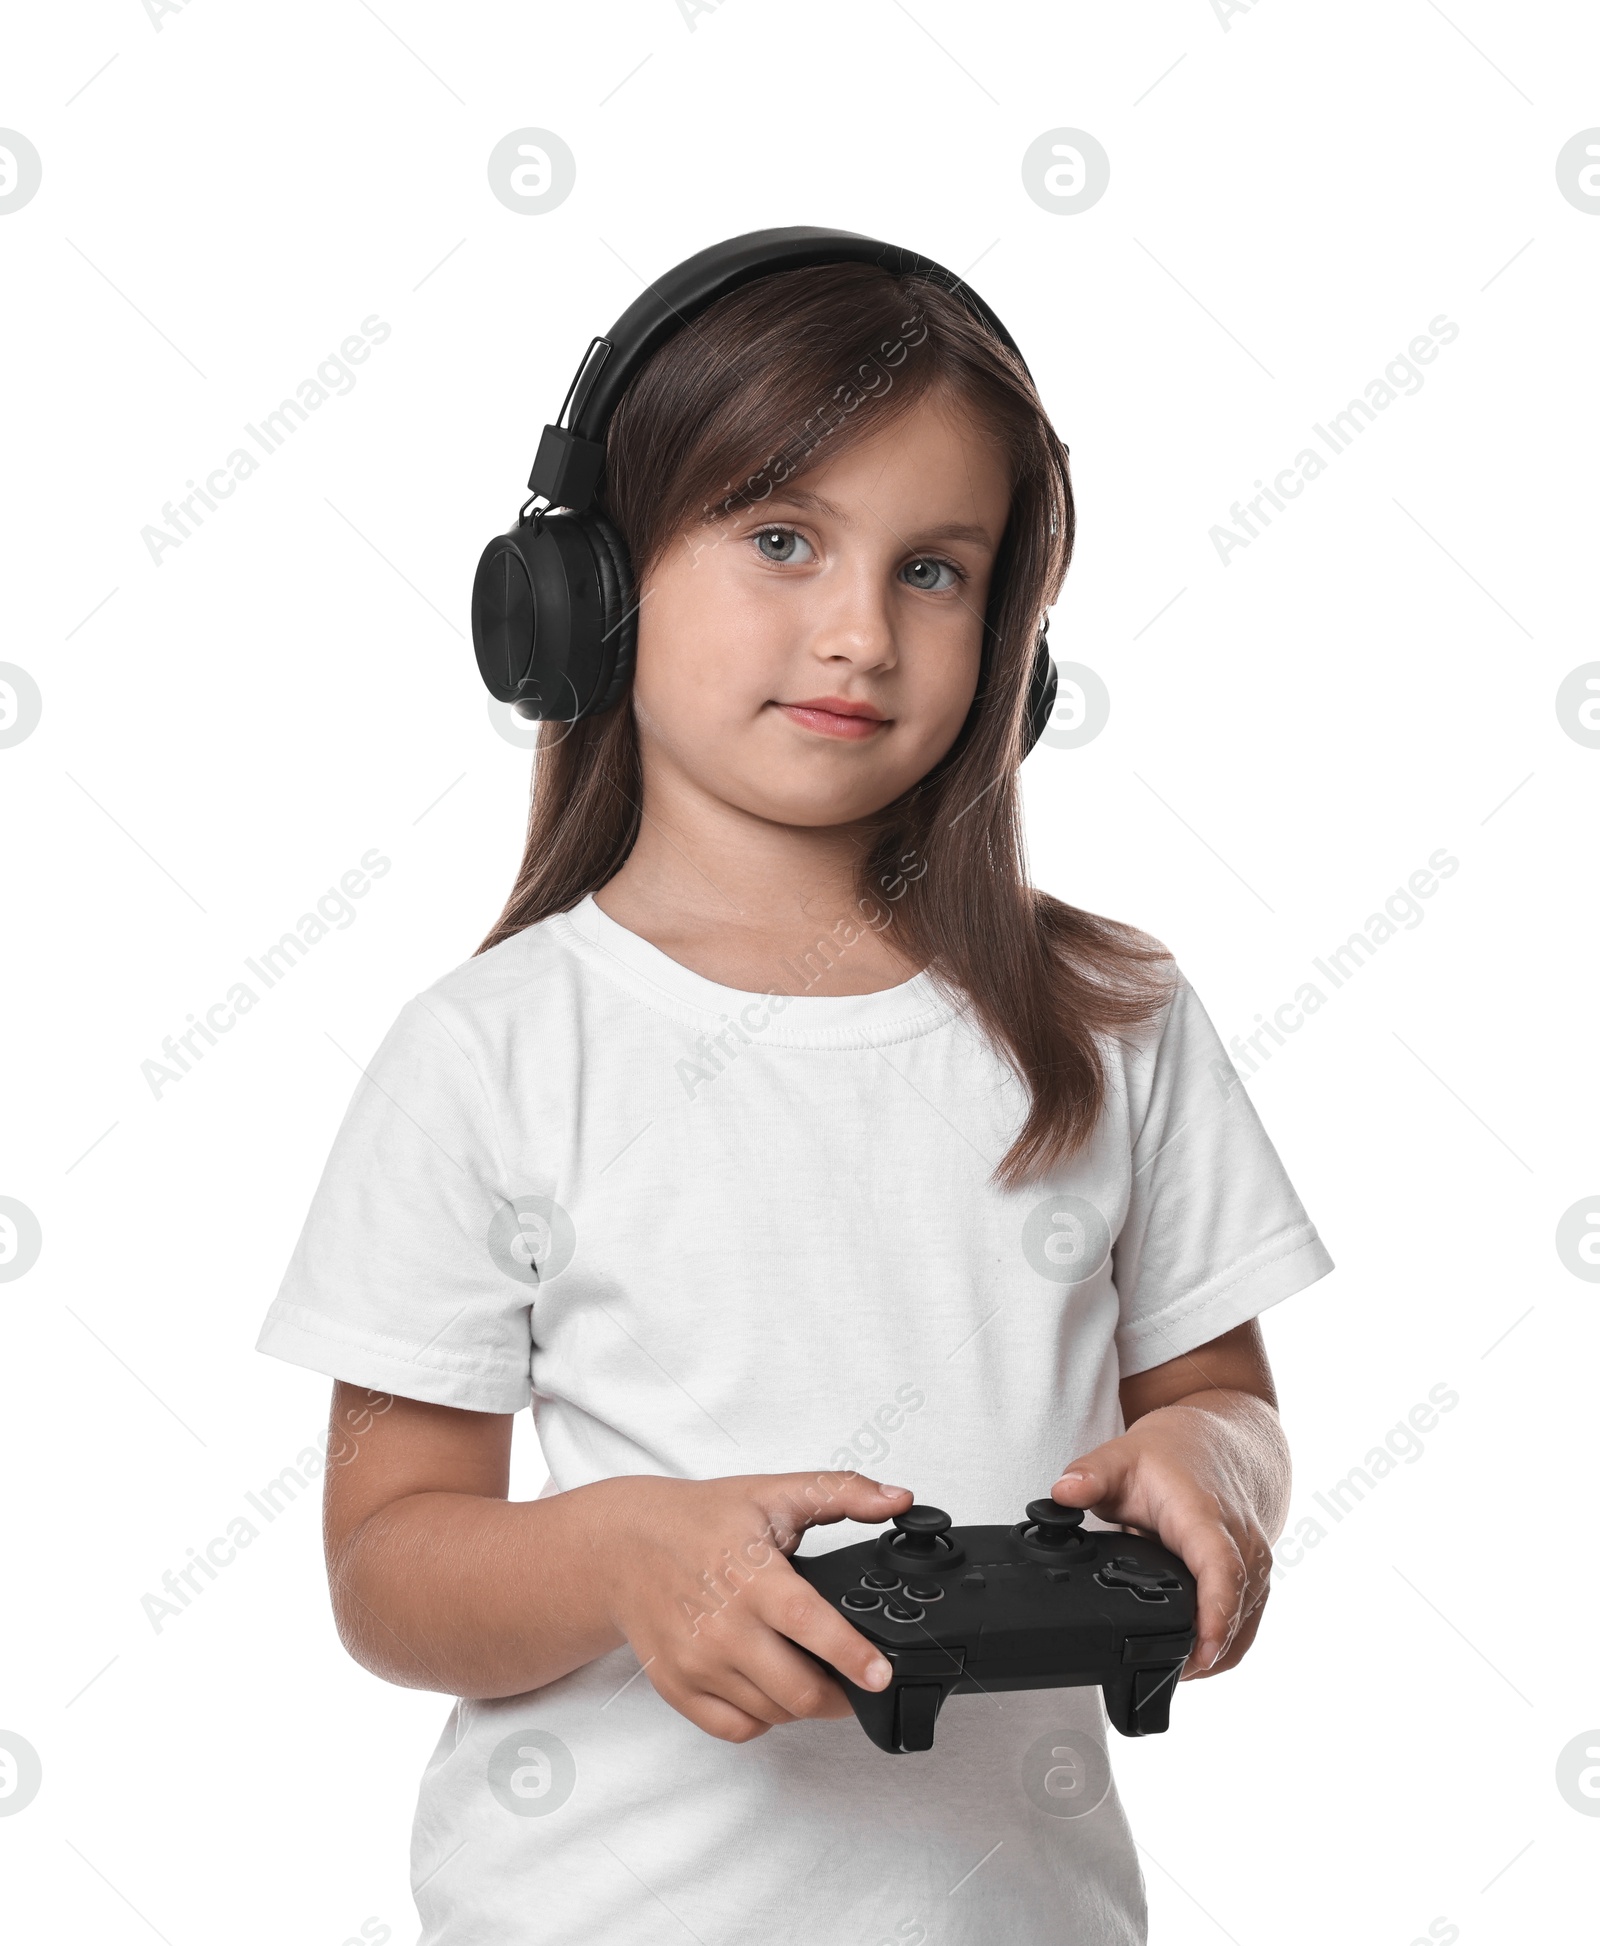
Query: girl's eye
[(779, 544), (924, 575)]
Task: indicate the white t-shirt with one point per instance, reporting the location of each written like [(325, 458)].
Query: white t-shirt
[(709, 1232)]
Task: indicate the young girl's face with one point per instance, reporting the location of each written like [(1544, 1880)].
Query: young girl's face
[(859, 587)]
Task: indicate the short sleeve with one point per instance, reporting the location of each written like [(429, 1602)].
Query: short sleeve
[(1214, 1232), (394, 1282)]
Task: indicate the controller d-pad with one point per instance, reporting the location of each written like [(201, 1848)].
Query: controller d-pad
[(1149, 1584)]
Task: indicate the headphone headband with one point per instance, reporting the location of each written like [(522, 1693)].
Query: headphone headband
[(567, 467), (553, 603)]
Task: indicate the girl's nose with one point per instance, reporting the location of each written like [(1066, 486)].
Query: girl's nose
[(856, 623)]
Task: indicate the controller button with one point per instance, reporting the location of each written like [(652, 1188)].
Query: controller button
[(884, 1583), (1158, 1648), (859, 1600), (916, 1707), (1058, 1574), (923, 1591), (897, 1609), (1152, 1700), (973, 1580)]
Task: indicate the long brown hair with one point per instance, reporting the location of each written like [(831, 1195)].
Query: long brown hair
[(775, 378)]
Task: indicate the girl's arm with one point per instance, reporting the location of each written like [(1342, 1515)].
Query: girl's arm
[(1204, 1466), (440, 1582)]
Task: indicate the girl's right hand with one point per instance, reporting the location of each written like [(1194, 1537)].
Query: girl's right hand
[(699, 1581)]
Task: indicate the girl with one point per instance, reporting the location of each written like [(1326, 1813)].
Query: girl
[(780, 1136)]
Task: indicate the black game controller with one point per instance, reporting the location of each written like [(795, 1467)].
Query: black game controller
[(1045, 1604)]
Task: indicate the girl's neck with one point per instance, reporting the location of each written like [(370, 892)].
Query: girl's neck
[(751, 904)]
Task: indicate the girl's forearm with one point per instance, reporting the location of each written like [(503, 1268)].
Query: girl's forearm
[(475, 1596)]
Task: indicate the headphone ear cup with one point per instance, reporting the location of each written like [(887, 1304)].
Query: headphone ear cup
[(1041, 694), (618, 611)]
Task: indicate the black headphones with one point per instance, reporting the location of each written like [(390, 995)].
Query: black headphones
[(553, 603)]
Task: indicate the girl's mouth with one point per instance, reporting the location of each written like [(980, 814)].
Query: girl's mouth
[(835, 716)]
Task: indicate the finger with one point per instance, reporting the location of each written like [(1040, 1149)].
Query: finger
[(750, 1665), (1099, 1476), (1255, 1553), (1212, 1556), (1238, 1642), (762, 1673), (737, 1687), (1243, 1636), (818, 1499), (797, 1612), (779, 1680), (717, 1717), (709, 1685)]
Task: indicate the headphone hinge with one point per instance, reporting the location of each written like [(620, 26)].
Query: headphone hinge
[(566, 469)]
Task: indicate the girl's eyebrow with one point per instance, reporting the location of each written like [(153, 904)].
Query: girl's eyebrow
[(948, 530)]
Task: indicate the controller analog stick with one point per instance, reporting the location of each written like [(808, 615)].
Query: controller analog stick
[(922, 1532), (1054, 1525)]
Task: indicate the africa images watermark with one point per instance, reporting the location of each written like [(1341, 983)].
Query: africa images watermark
[(871, 1442), (333, 378), (182, 1586), (1402, 1444), (1227, 11), (776, 1541), (1401, 912), (693, 11), (1339, 435), (158, 11), (334, 910), (871, 378)]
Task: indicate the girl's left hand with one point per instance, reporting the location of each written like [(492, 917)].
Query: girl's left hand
[(1183, 1474)]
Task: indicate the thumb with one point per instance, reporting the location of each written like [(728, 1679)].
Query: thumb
[(818, 1499), (1098, 1476)]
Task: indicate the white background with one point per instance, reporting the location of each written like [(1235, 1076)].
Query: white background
[(1295, 193)]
